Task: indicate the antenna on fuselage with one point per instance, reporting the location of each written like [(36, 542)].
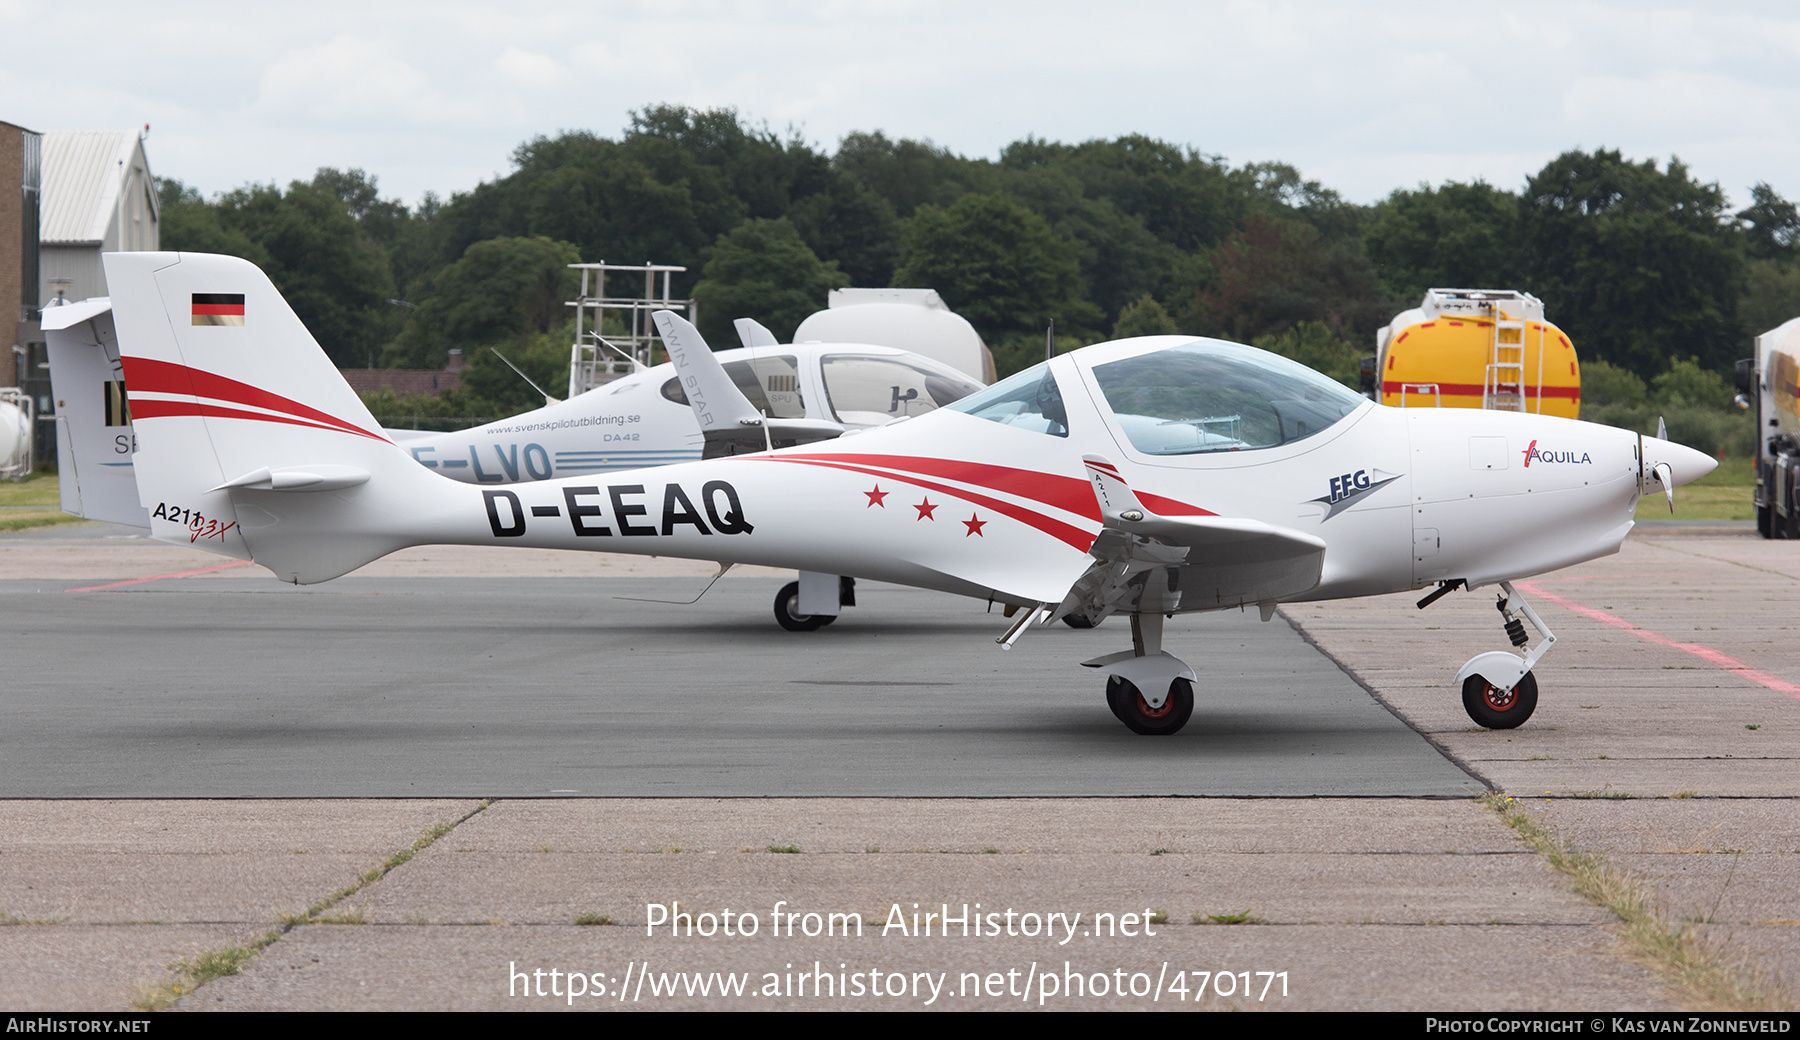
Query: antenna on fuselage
[(1050, 340), (548, 400)]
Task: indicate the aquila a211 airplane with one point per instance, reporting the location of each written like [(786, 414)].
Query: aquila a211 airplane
[(1146, 477)]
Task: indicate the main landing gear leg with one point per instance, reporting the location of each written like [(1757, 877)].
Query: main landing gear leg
[(813, 594), (1151, 692), (1498, 689)]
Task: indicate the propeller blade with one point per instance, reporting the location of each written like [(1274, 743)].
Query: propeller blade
[(1666, 478)]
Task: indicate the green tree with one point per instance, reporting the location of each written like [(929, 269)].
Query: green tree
[(1275, 274), (189, 223), (908, 174), (501, 293), (999, 265), (1637, 264), (853, 227), (1603, 384), (1771, 225), (1143, 317), (763, 270), (1315, 345), (1685, 383), (335, 277), (1771, 295), (1453, 236)]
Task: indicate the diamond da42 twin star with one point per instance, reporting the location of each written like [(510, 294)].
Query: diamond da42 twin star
[(1147, 477)]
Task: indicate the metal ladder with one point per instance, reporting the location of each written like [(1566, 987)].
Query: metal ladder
[(1504, 387)]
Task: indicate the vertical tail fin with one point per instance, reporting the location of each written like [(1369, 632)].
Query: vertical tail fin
[(231, 396), (93, 423)]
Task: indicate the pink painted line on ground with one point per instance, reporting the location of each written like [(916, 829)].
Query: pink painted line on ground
[(1704, 653), (159, 577)]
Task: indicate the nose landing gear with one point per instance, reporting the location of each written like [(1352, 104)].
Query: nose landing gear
[(1498, 689), (1148, 689)]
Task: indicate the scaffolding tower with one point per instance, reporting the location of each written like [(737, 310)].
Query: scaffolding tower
[(594, 360)]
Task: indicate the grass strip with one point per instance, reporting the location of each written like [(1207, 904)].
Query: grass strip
[(191, 973), (1704, 976), (29, 520)]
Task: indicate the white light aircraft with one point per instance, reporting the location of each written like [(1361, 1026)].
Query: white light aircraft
[(1146, 477)]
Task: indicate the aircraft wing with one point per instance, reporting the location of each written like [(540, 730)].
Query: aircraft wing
[(732, 425), (1164, 564)]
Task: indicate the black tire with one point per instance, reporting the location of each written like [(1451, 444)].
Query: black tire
[(1077, 621), (1128, 704), (1490, 709), (1115, 697), (1765, 521), (1787, 526), (787, 611)]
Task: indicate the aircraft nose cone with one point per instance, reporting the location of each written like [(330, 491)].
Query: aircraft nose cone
[(1685, 464)]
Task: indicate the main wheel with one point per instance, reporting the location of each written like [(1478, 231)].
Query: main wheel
[(1123, 697), (787, 611), (1495, 710), (1077, 621)]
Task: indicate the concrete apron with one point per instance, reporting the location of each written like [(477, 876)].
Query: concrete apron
[(1641, 745)]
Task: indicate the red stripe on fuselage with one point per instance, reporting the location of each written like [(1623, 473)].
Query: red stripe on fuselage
[(1068, 533), (1069, 494)]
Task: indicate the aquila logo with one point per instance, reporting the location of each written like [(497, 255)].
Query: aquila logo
[(1532, 452)]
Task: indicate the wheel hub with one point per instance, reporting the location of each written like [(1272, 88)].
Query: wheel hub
[(1500, 700), (1144, 708)]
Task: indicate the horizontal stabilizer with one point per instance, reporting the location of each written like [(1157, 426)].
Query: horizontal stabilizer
[(299, 478)]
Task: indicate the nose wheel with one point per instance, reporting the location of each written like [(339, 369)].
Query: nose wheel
[(1499, 690), (1495, 708), (1127, 702)]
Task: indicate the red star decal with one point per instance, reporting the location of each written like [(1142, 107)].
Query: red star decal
[(925, 509), (974, 526), (876, 496)]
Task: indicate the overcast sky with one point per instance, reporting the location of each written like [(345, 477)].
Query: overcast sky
[(1363, 97)]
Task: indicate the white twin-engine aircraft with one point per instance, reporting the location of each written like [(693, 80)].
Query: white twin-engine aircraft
[(1147, 477)]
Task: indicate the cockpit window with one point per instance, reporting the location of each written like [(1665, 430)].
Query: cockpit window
[(1029, 400), (1208, 395), (772, 385), (869, 390)]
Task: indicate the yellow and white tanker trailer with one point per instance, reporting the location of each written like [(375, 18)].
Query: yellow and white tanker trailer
[(1475, 348)]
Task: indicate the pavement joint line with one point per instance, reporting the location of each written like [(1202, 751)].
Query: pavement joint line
[(1707, 976), (1393, 709), (1724, 662), (1722, 559), (211, 964)]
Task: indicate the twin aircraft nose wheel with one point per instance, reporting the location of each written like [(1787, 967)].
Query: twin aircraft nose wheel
[(1127, 702)]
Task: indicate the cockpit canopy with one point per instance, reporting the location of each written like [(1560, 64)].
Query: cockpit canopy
[(1208, 395), (1188, 397)]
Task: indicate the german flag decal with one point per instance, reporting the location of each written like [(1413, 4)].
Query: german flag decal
[(218, 308)]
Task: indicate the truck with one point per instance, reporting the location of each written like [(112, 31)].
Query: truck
[(1475, 348), (1770, 382)]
